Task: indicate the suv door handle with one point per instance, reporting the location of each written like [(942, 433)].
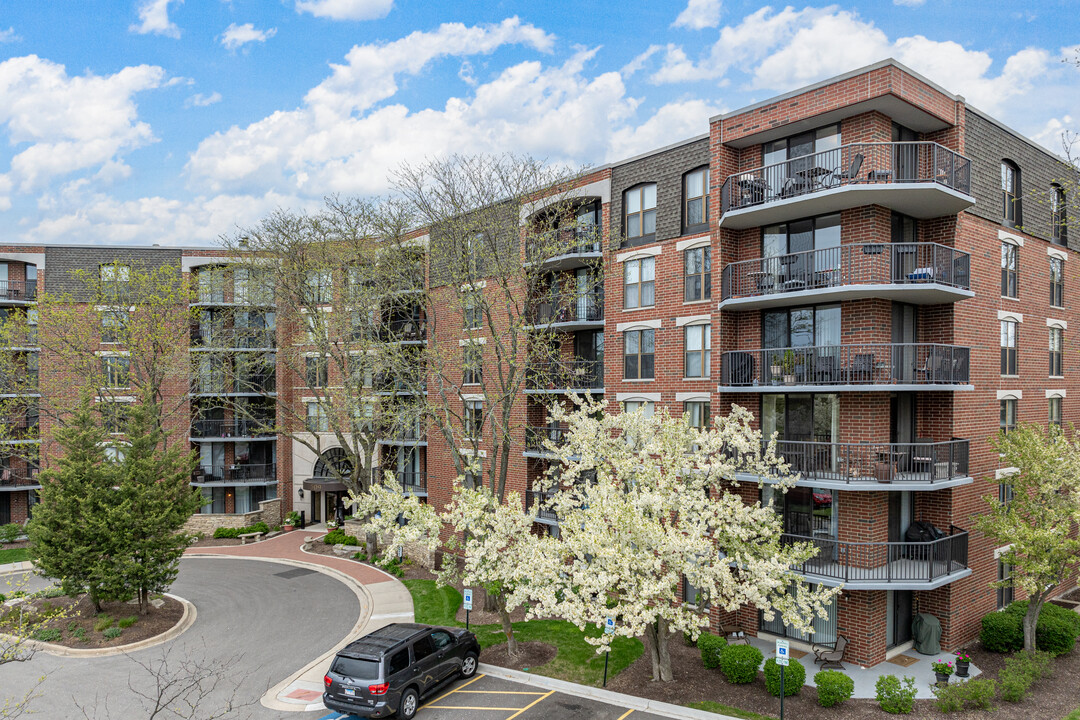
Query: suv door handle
[(416, 670)]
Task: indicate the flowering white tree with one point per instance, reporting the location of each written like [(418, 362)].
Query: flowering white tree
[(381, 506), (643, 502)]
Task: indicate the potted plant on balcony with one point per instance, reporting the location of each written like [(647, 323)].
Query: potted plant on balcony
[(291, 521), (942, 670), (776, 368), (788, 367), (963, 662)]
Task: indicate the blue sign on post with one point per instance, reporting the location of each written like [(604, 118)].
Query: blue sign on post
[(468, 599), (783, 652), (609, 626)]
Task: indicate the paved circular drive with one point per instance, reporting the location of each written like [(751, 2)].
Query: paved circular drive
[(268, 619)]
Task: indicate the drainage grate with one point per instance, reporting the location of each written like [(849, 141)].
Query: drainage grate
[(294, 573)]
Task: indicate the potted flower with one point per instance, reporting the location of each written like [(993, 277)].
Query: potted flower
[(942, 670), (788, 367), (963, 661), (291, 521), (776, 369)]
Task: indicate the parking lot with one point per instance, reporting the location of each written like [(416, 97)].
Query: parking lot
[(488, 698)]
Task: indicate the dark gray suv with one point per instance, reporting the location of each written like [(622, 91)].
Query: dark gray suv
[(389, 670)]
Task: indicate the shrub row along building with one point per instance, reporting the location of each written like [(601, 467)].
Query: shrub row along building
[(881, 273)]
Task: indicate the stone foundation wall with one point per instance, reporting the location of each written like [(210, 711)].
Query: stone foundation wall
[(417, 552), (269, 512)]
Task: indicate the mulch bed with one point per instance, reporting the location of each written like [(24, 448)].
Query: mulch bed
[(530, 655), (81, 614), (1050, 699), (215, 542), (15, 545)]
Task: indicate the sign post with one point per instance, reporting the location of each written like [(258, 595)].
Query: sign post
[(609, 629), (468, 605), (783, 653)]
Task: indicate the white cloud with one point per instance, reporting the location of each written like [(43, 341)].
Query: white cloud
[(671, 123), (200, 100), (154, 15), (238, 35), (9, 35), (699, 14), (346, 9), (1051, 134), (62, 125), (909, 3)]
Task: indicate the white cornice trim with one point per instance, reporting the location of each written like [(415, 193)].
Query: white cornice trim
[(998, 552), (1001, 473), (1010, 394), (472, 397), (1057, 252), (638, 253), (1011, 238), (639, 325), (695, 242), (29, 258), (692, 397), (692, 320), (1063, 324), (1055, 393), (478, 285), (472, 341), (637, 396), (1009, 315)]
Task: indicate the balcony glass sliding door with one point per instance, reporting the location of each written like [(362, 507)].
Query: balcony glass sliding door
[(802, 254), (815, 328), (824, 629), (807, 426)]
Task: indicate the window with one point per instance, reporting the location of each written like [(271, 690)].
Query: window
[(1055, 412), (1005, 592), (1057, 282), (316, 418), (211, 281), (1005, 493), (640, 212), (316, 371), (319, 287), (698, 345), (801, 254), (1057, 339), (1008, 347), (1009, 259), (115, 370), (697, 284), (1058, 215), (474, 316), (114, 417), (638, 354), (474, 418), (645, 406), (1010, 193), (1008, 415), (114, 454), (112, 325), (422, 648), (473, 478), (696, 198), (441, 639), (472, 365), (114, 279), (399, 661), (691, 594), (639, 283), (697, 414)]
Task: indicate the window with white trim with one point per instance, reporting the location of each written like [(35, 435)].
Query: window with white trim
[(473, 315), (1058, 215), (638, 354), (697, 281), (1010, 255), (318, 287), (1010, 193), (697, 347), (317, 420), (1008, 347), (1008, 415), (696, 198), (316, 371), (472, 364), (114, 416), (698, 413), (116, 370), (113, 322), (474, 418), (1054, 408), (639, 283), (1005, 593), (1057, 341), (1057, 282), (646, 406), (640, 203), (114, 279)]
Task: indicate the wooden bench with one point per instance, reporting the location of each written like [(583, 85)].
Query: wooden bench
[(244, 537)]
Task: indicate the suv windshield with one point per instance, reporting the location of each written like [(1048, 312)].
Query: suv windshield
[(356, 668)]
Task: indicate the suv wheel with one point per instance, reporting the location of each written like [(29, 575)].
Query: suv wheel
[(468, 665), (410, 701)]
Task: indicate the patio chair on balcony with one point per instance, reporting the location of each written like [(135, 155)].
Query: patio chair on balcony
[(840, 176), (831, 656), (825, 370), (922, 456), (862, 369)]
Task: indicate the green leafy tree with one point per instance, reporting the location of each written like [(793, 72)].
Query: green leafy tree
[(153, 501), (71, 537), (1037, 525)]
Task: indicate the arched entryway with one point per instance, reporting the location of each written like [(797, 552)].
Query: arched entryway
[(326, 483)]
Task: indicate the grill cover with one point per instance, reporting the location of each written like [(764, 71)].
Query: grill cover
[(927, 631)]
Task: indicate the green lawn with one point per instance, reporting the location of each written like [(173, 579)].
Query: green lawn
[(1074, 715), (576, 660), (716, 707), (12, 555)]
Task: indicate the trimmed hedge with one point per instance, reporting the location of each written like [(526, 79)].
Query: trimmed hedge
[(337, 536), (711, 646), (896, 697), (976, 694), (1056, 632), (833, 687), (740, 663), (1021, 671), (10, 533), (222, 532), (794, 677)]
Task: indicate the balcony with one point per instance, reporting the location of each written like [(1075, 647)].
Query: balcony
[(20, 384), (886, 565), (15, 479), (216, 338), (395, 384), (833, 368), (565, 248), (21, 430), (565, 376), (243, 430), (406, 332), (261, 474), (875, 466), (920, 179), (917, 273), (568, 311), (533, 500), (537, 438), (18, 292), (254, 385), (402, 433)]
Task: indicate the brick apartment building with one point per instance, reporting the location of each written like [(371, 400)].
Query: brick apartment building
[(894, 287)]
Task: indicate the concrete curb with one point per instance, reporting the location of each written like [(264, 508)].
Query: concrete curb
[(630, 702), (186, 621), (22, 566)]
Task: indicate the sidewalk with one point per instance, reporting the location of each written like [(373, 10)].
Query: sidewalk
[(383, 600)]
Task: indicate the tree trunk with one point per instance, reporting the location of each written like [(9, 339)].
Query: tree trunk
[(1031, 620), (507, 627), (491, 602), (372, 542), (144, 601), (657, 636)]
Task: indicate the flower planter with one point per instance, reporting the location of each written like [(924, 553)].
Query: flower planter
[(789, 379), (942, 678), (962, 668), (287, 528)]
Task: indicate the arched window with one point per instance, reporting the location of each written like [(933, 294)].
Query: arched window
[(333, 463), (640, 209), (1010, 193), (696, 199), (1058, 216)]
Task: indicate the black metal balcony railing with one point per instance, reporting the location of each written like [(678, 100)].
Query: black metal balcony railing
[(20, 477), (19, 384), (534, 503), (863, 364), (235, 473), (583, 240), (857, 163), (397, 383), (18, 290), (23, 427), (401, 431), (907, 562), (412, 479), (231, 428), (565, 375), (404, 331), (854, 264), (855, 463), (537, 437), (228, 338), (567, 308)]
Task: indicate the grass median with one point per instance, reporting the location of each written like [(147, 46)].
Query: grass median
[(576, 661), (13, 555)]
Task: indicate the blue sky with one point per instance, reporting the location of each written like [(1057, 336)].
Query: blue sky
[(171, 122)]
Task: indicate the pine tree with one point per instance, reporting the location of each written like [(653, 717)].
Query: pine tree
[(71, 537), (154, 502)]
